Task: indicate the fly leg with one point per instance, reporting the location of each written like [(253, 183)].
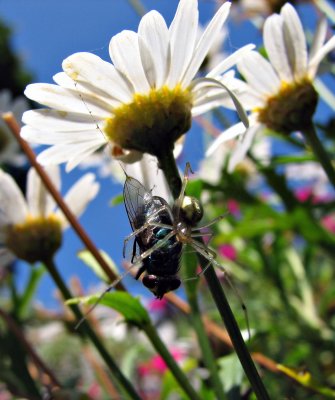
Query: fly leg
[(180, 198)]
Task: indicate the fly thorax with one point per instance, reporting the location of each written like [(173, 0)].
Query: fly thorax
[(160, 235), (291, 109), (147, 198), (152, 122), (36, 239)]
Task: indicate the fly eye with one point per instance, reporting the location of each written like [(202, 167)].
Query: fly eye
[(191, 210), (150, 281)]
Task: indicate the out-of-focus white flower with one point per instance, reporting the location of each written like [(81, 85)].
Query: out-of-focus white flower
[(311, 174), (142, 103), (31, 227), (9, 148), (280, 91)]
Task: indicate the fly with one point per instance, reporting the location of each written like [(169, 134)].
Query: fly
[(160, 232)]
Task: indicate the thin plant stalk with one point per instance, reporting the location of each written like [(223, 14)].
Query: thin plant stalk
[(169, 167), (200, 331), (15, 129), (320, 152), (170, 362), (86, 329), (39, 363)]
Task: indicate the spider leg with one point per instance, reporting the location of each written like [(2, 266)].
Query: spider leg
[(214, 221), (179, 200), (148, 223), (155, 247)]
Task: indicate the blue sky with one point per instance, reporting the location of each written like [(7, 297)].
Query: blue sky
[(44, 33)]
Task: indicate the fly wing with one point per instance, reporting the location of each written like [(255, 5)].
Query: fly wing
[(134, 194)]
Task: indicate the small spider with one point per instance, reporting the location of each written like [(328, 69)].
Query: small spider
[(160, 232)]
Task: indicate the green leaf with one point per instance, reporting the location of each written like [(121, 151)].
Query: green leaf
[(288, 159), (88, 259), (130, 307), (231, 373), (116, 200), (194, 188)]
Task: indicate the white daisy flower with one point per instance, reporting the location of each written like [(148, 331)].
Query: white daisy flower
[(280, 91), (31, 227), (142, 103), (215, 54), (9, 148), (311, 174)]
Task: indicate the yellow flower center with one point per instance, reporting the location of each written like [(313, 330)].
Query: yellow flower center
[(151, 123), (291, 109), (36, 239)]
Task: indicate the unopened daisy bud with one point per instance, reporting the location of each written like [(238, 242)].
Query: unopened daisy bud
[(290, 110), (36, 239), (32, 228)]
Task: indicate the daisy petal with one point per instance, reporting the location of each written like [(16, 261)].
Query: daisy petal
[(62, 152), (66, 100), (40, 203), (229, 134), (183, 31), (318, 57), (319, 37), (154, 32), (58, 121), (100, 74), (274, 43), (259, 73), (79, 196), (64, 80), (12, 202), (79, 156), (230, 61), (295, 41), (46, 137), (242, 147), (125, 54), (205, 43)]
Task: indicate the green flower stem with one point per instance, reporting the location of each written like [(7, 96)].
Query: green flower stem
[(233, 330), (206, 349), (29, 291), (171, 173), (86, 329), (167, 163), (15, 129), (179, 375), (319, 151)]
